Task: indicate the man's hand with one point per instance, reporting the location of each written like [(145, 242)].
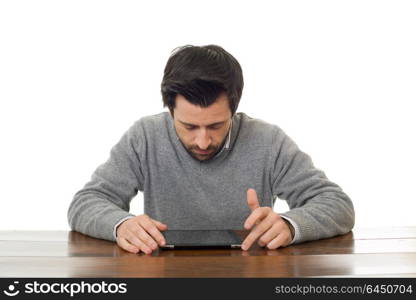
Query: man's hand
[(141, 233), (270, 229)]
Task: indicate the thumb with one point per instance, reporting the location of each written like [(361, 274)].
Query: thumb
[(160, 225), (252, 200)]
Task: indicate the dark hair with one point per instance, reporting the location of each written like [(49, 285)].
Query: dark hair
[(201, 75)]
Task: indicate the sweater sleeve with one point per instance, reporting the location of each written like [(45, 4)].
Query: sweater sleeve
[(105, 200), (318, 206)]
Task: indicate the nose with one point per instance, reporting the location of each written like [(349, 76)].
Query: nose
[(203, 140)]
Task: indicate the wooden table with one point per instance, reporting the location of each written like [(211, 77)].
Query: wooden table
[(381, 252)]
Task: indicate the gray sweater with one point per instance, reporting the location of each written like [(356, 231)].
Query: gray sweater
[(185, 193)]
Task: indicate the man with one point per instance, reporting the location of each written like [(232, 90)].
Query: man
[(203, 166)]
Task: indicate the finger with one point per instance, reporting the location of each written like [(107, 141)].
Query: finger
[(160, 225), (258, 231), (281, 240), (150, 227), (146, 238), (135, 239), (124, 244), (252, 200), (269, 235), (256, 216)]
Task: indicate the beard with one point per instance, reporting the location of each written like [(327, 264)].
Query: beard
[(202, 157), (213, 150)]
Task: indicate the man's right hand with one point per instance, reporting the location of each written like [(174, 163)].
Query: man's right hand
[(141, 233)]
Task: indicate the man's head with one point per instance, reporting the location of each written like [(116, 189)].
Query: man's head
[(202, 87)]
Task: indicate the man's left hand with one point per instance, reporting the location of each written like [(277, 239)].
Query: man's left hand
[(269, 228)]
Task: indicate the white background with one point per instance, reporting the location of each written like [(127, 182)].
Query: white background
[(338, 76)]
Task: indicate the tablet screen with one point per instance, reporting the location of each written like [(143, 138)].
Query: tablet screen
[(204, 238)]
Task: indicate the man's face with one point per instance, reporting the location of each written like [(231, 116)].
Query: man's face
[(202, 130)]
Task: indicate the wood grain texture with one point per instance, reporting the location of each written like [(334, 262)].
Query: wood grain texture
[(383, 252), (205, 266)]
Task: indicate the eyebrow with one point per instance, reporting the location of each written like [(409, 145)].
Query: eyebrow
[(213, 124)]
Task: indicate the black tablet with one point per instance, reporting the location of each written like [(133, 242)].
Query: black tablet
[(185, 239)]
